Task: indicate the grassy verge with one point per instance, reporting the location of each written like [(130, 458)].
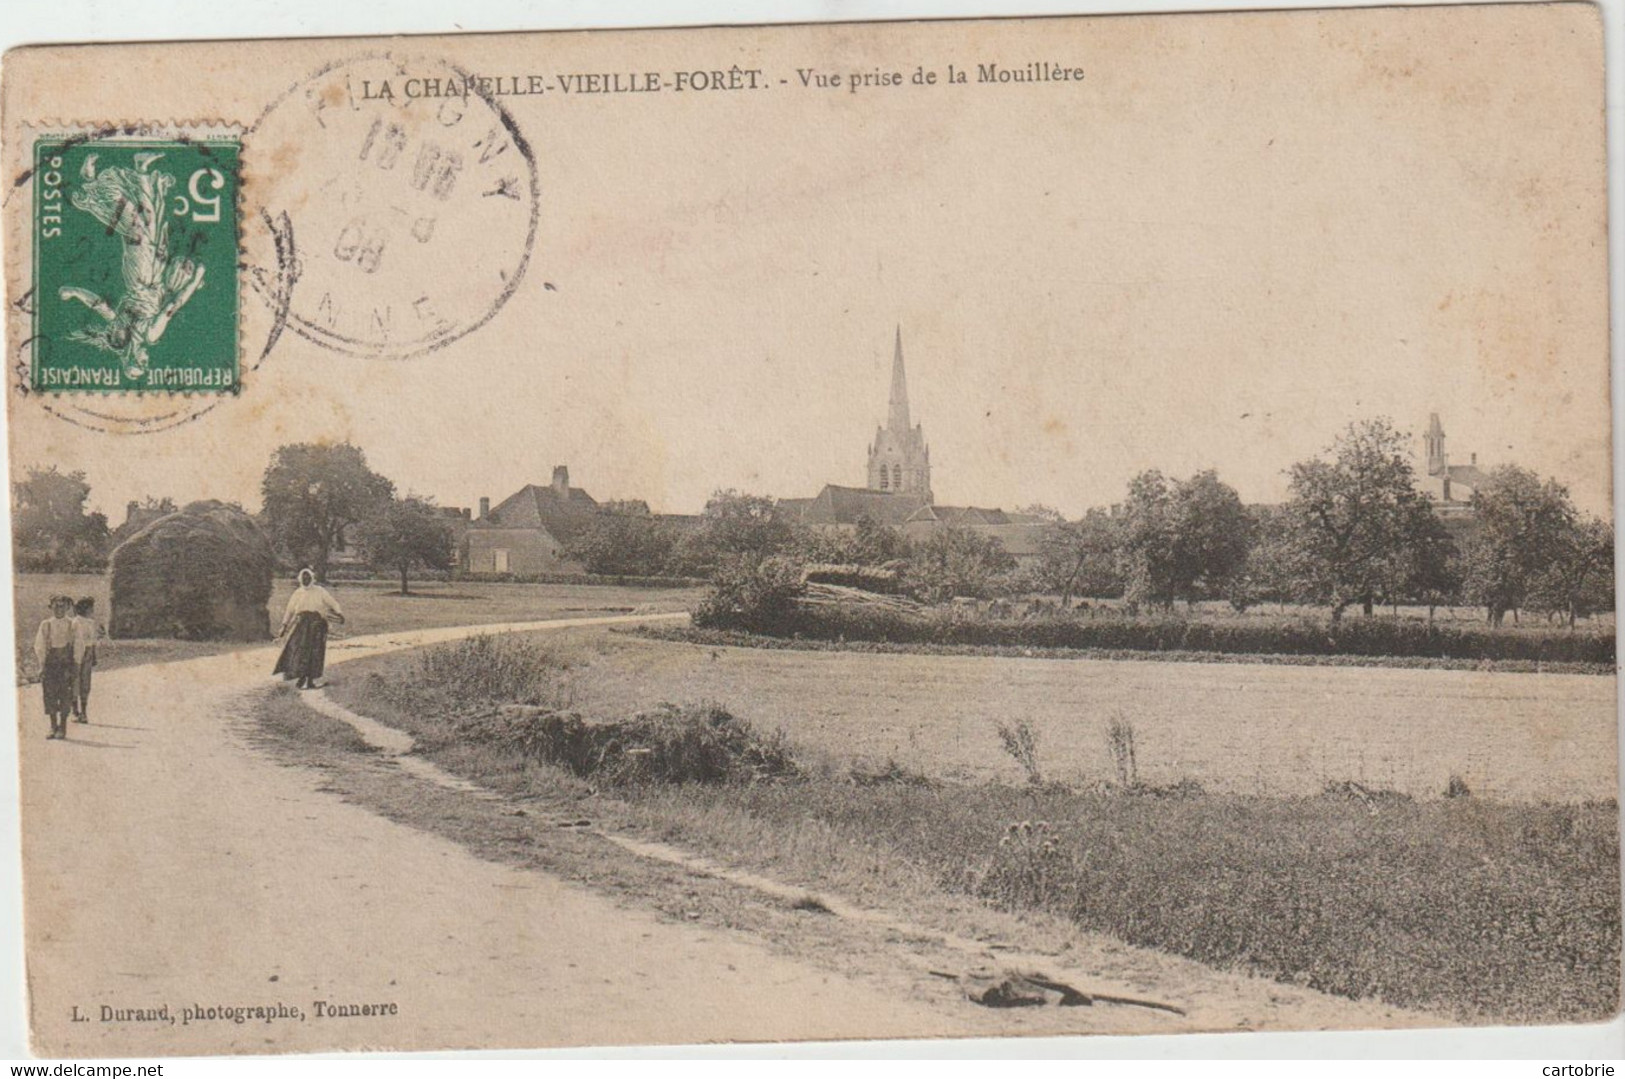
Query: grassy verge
[(735, 638), (1508, 912), (1487, 910)]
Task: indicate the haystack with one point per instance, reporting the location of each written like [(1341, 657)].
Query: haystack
[(203, 574)]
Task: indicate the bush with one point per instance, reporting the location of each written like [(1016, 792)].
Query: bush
[(759, 597), (484, 670), (513, 694), (701, 743), (1306, 637)]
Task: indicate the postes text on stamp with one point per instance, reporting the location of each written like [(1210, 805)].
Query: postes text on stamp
[(135, 264)]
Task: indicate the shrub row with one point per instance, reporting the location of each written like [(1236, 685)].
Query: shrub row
[(1354, 636), (739, 639), (579, 578)]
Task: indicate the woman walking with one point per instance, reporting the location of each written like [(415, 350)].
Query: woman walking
[(54, 647), (310, 608)]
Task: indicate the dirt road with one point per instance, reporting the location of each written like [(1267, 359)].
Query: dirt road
[(172, 865)]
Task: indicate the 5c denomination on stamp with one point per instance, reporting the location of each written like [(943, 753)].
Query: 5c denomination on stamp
[(135, 264)]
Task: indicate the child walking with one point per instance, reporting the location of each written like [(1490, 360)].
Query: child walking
[(86, 631), (54, 647)]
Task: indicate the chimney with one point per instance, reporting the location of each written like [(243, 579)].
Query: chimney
[(561, 481), (485, 509), (131, 508), (1475, 458), (465, 513)]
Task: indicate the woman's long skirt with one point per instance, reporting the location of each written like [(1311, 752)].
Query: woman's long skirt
[(305, 654), (57, 678)]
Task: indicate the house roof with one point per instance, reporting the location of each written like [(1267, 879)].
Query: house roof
[(962, 516), (795, 507), (1468, 475), (1020, 540), (845, 505), (542, 506)]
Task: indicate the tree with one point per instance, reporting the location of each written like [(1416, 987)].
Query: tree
[(1148, 526), (1265, 574), (406, 533), (1531, 546), (1182, 538), (313, 491), (1578, 579), (1081, 557), (1351, 517), (623, 544), (956, 562), (1212, 534), (51, 530), (737, 527), (1428, 570), (868, 543), (1524, 524)]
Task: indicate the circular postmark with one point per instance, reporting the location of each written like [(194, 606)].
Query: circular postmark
[(409, 196)]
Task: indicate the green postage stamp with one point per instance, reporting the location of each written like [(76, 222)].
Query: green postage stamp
[(135, 265)]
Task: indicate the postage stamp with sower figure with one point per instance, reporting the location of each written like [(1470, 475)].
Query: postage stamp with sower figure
[(135, 264)]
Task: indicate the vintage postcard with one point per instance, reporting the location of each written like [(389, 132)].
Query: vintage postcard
[(892, 530)]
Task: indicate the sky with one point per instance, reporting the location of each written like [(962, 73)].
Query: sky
[(1235, 236)]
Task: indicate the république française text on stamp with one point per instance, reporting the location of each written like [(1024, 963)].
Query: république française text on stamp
[(135, 263)]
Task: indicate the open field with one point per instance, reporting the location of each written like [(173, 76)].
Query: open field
[(369, 607), (1239, 728), (1480, 907)]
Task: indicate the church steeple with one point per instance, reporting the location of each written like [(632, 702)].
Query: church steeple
[(899, 459), (1433, 446), (897, 418)]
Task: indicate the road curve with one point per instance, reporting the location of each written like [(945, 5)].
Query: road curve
[(170, 863)]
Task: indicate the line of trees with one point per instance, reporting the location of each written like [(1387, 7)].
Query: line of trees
[(318, 497), (1355, 531)]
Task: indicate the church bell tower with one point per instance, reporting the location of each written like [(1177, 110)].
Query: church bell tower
[(899, 459)]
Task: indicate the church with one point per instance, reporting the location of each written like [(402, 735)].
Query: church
[(899, 459), (898, 492), (1449, 487)]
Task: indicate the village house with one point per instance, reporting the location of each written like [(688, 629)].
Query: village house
[(526, 533)]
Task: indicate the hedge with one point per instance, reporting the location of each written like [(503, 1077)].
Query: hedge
[(1307, 637), (581, 578)]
